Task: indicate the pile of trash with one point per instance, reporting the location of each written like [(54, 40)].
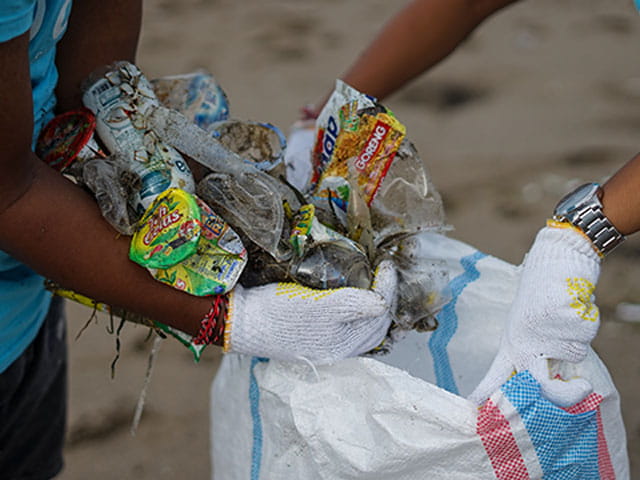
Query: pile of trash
[(207, 203)]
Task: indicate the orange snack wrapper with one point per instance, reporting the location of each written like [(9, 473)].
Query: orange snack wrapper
[(371, 145)]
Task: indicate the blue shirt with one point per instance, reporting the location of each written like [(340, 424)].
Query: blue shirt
[(23, 300)]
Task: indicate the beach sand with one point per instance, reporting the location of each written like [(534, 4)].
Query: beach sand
[(544, 96)]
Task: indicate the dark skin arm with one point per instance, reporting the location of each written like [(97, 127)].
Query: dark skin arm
[(621, 200), (419, 36), (423, 33), (107, 32), (49, 223)]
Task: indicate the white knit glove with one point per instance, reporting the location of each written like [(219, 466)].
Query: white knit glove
[(288, 321), (553, 316)]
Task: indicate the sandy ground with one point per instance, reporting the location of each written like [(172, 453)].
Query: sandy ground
[(543, 96)]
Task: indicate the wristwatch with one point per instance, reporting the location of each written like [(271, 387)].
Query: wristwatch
[(583, 209)]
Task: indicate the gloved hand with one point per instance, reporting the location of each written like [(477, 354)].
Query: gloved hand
[(288, 321), (553, 316)]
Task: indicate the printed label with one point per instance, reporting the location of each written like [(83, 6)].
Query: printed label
[(373, 145)]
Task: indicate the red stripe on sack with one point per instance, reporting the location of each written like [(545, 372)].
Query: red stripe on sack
[(590, 403), (500, 444), (605, 466)]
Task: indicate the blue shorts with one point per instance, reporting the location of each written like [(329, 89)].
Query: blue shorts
[(33, 398)]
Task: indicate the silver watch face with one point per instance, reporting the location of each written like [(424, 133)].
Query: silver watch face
[(582, 195)]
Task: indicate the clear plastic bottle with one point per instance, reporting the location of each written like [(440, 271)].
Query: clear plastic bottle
[(121, 99), (406, 201), (422, 281), (197, 95)]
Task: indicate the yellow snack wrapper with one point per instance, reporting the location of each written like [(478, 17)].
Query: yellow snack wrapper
[(371, 145)]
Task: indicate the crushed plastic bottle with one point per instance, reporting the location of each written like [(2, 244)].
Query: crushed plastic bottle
[(332, 264), (249, 206), (112, 187), (406, 201), (197, 95), (422, 281), (256, 192), (121, 100)]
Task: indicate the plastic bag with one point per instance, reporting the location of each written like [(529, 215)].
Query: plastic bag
[(402, 415)]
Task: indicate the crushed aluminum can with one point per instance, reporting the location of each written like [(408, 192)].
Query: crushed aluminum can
[(324, 258), (332, 264)]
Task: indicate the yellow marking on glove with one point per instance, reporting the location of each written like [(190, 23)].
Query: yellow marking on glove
[(228, 322), (581, 291), (293, 290)]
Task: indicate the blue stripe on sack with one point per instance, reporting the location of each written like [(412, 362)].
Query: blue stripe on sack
[(254, 402), (566, 444), (448, 323)]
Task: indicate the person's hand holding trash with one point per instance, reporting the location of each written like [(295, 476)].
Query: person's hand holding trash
[(288, 321), (553, 316)]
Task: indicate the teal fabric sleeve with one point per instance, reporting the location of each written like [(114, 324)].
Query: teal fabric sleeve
[(16, 17)]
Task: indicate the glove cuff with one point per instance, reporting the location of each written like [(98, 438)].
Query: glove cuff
[(562, 236), (234, 307)]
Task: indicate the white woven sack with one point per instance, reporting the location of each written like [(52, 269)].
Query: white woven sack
[(403, 416)]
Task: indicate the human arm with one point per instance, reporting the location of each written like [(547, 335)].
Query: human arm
[(414, 40), (56, 228), (554, 315), (49, 223), (621, 199), (419, 36), (99, 33)]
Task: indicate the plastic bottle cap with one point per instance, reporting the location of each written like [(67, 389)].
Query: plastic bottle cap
[(64, 137)]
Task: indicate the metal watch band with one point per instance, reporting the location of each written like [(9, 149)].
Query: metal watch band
[(598, 228)]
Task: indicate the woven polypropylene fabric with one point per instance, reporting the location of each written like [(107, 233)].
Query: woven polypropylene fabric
[(566, 443)]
